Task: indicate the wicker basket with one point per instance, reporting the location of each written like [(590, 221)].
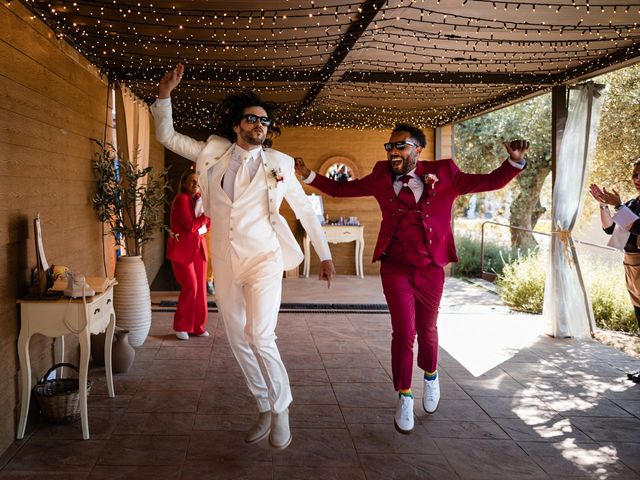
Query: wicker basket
[(59, 400)]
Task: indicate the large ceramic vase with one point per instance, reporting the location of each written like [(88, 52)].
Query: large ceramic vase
[(132, 299)]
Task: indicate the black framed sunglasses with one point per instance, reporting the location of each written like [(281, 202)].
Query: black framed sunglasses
[(399, 145), (251, 119)]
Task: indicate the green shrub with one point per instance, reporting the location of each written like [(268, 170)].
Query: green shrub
[(469, 257), (612, 308), (522, 288), (521, 283)]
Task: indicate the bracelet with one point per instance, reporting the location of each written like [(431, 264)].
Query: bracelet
[(604, 207)]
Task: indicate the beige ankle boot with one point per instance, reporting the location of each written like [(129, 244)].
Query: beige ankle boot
[(280, 436), (260, 429)]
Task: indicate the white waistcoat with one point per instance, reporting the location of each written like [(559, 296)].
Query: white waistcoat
[(244, 224)]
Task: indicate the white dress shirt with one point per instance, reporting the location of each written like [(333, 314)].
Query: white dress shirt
[(416, 186), (239, 155)]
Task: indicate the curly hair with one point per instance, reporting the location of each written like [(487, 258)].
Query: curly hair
[(230, 110), (415, 132)]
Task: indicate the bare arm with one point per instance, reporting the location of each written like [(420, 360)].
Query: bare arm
[(599, 195)]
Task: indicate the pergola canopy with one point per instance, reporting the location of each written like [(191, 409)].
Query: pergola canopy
[(338, 63)]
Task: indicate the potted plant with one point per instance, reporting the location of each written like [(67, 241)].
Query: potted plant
[(133, 210)]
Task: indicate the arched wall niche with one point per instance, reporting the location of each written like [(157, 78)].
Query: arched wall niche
[(332, 165)]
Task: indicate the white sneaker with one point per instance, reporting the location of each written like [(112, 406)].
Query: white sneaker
[(182, 335), (403, 420), (431, 396), (204, 334)]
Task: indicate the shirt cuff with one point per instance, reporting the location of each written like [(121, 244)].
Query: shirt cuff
[(163, 102), (308, 180), (625, 217), (517, 165)]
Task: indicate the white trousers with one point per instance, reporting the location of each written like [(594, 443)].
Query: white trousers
[(248, 293)]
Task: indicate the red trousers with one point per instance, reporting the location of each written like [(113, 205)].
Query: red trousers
[(413, 295), (191, 313)]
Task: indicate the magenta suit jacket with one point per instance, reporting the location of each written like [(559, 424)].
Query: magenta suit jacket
[(185, 225), (436, 207)]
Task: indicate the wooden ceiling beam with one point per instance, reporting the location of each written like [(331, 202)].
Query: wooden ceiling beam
[(514, 78), (368, 11), (447, 78), (220, 75)]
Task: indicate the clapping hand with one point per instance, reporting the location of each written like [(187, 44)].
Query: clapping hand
[(170, 80), (602, 195)]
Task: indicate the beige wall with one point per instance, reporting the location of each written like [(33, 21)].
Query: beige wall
[(52, 102), (364, 149)]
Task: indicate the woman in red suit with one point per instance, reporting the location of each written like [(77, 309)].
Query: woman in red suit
[(187, 251)]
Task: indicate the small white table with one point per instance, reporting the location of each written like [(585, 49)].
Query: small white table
[(338, 234), (55, 318)]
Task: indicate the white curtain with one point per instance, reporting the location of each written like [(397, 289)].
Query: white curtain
[(132, 126), (566, 304), (132, 130)]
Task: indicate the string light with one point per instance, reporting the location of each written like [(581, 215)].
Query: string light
[(424, 62)]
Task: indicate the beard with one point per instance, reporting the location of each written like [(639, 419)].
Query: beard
[(253, 137), (401, 165)]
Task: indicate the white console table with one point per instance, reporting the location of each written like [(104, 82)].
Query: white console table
[(56, 318), (338, 234)]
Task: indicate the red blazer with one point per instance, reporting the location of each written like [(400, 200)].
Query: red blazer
[(185, 225), (437, 204)]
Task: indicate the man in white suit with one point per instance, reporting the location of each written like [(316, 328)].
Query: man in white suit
[(243, 184)]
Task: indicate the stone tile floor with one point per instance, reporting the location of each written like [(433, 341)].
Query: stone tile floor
[(516, 404)]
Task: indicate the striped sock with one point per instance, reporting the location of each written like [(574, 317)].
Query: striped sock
[(430, 375), (406, 392)]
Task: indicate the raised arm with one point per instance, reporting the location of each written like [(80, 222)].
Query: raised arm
[(498, 178), (169, 81), (161, 109)]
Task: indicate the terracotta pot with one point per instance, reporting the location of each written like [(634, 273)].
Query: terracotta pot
[(122, 353)]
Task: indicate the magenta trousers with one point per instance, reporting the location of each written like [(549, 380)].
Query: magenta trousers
[(413, 295)]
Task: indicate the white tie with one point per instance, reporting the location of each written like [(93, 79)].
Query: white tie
[(242, 180)]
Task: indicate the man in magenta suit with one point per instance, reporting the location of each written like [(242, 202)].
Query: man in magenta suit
[(414, 245), (187, 251)]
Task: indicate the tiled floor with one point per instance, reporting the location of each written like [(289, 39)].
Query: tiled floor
[(515, 403)]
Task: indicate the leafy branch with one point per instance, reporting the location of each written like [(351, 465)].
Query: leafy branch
[(131, 207)]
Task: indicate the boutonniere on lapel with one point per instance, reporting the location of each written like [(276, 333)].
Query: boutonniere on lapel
[(430, 179), (277, 174)]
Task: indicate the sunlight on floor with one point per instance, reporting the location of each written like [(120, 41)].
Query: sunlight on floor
[(483, 340)]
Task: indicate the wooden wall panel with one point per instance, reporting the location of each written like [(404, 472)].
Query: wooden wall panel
[(52, 103)]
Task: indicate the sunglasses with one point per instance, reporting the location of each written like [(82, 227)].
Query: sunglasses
[(398, 145), (251, 119)]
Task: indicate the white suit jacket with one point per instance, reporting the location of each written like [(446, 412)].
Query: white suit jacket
[(212, 159)]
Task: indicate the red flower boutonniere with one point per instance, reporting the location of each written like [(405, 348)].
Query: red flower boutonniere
[(430, 179), (277, 174)]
